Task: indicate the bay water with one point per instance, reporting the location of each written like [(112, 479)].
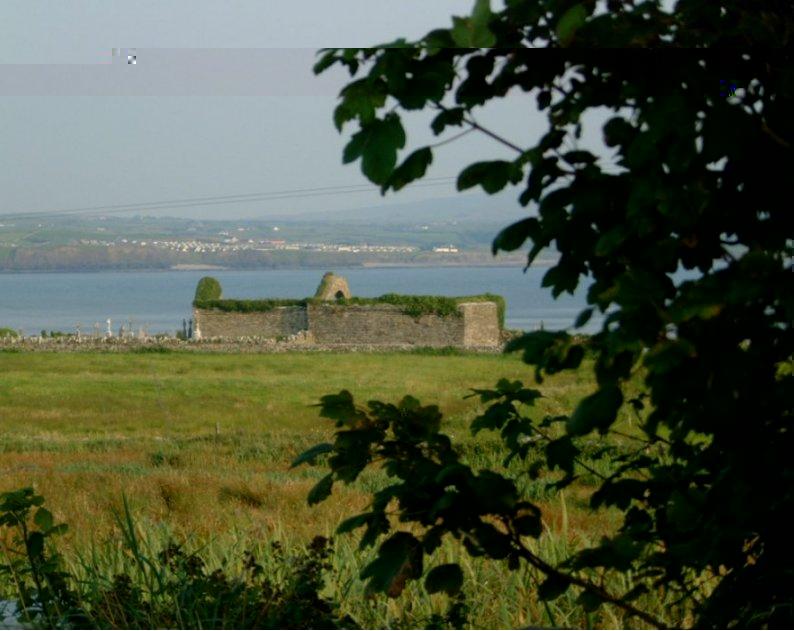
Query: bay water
[(159, 300)]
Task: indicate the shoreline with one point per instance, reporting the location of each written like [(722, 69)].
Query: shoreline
[(151, 270)]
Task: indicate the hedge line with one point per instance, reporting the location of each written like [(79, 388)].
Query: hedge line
[(414, 306)]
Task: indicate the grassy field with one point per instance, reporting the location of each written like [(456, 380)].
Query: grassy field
[(200, 445)]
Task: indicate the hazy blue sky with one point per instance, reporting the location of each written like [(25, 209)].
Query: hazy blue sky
[(221, 101)]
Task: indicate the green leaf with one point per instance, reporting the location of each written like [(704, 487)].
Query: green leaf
[(413, 168), (60, 529), (560, 453), (447, 118), (583, 318), (399, 560), (597, 411), (529, 525), (617, 131), (553, 587), (473, 32), (444, 578), (514, 236), (355, 147), (379, 153), (338, 407), (493, 175), (328, 59), (311, 454), (43, 519), (570, 22), (589, 601), (321, 490), (360, 99), (578, 157), (35, 544), (352, 523), (611, 240)]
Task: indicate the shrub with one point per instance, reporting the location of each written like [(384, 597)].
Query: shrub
[(7, 332), (208, 288), (173, 588)]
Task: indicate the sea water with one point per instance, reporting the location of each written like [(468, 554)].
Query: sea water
[(159, 301)]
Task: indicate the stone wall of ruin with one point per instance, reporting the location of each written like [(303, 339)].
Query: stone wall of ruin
[(280, 322), (332, 325), (381, 324), (480, 324)]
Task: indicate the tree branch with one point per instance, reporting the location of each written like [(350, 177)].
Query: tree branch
[(441, 143), (782, 142), (475, 125), (599, 591)]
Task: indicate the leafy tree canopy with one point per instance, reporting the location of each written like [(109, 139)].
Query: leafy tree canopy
[(208, 288), (699, 179)]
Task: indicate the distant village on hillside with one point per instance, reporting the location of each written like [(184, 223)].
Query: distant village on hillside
[(104, 243)]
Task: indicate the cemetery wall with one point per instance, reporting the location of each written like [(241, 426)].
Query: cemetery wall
[(332, 325)]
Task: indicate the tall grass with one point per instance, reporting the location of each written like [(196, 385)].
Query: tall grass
[(200, 446), (132, 581)]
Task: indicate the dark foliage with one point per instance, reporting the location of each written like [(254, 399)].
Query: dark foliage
[(698, 180)]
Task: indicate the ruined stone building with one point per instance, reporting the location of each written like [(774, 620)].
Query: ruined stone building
[(334, 318)]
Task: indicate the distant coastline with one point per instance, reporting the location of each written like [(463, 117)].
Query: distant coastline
[(218, 268), (480, 259)]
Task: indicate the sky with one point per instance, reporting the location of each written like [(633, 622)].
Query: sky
[(221, 101)]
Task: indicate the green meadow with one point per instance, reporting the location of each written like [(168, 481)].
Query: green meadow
[(198, 446)]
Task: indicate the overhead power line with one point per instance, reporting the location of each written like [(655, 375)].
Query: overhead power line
[(320, 191)]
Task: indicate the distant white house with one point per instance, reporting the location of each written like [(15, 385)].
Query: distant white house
[(446, 248)]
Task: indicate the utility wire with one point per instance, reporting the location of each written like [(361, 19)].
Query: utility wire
[(219, 199)]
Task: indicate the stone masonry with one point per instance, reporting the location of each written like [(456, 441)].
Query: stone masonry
[(327, 324)]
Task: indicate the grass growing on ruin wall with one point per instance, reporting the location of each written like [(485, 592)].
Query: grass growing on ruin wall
[(414, 306), (248, 306)]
